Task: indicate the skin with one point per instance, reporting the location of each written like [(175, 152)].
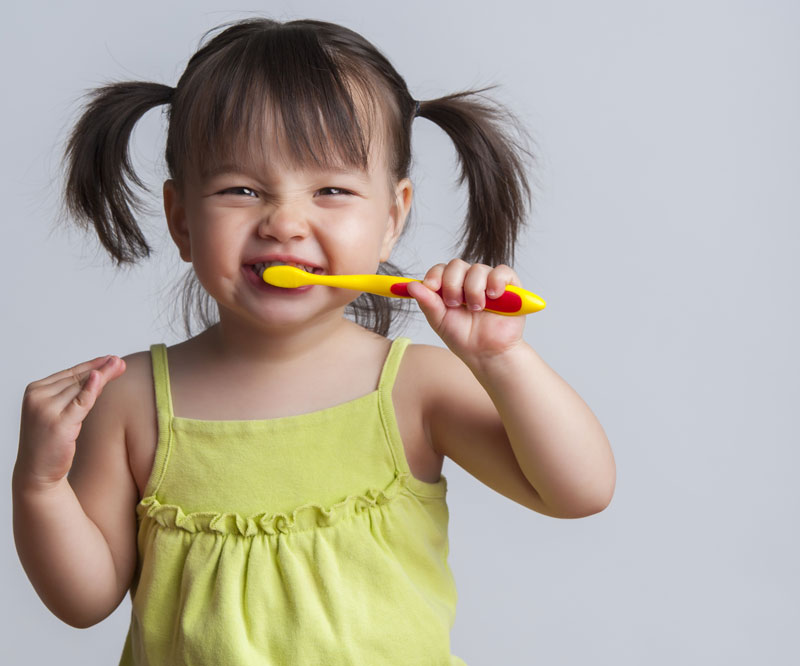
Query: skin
[(487, 401)]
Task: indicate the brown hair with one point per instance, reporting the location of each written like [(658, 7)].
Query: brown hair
[(331, 94)]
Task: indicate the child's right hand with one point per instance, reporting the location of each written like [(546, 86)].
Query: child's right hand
[(53, 411)]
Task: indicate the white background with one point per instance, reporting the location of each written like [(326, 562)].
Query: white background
[(664, 239)]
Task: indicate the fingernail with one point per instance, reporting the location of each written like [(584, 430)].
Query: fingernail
[(451, 303), (475, 306), (491, 294)]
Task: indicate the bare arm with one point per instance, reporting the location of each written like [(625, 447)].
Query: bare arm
[(501, 412), (78, 555), (558, 442), (66, 557)]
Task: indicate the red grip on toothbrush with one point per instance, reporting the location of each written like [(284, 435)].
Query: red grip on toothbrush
[(507, 302)]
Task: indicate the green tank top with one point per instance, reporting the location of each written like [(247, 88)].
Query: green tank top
[(298, 540)]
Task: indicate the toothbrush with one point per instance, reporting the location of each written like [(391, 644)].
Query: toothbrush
[(514, 301)]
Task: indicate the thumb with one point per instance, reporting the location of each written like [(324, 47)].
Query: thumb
[(429, 302)]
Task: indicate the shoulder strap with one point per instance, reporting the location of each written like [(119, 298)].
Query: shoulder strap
[(391, 366), (389, 421), (158, 356), (386, 406)]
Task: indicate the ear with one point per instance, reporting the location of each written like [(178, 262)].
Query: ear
[(175, 211), (403, 195)]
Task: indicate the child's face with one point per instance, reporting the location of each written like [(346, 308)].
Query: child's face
[(338, 223)]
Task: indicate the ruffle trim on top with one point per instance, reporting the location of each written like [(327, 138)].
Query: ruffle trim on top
[(304, 517)]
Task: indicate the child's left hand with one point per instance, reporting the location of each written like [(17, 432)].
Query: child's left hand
[(473, 335)]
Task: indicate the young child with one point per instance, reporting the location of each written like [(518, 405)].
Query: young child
[(270, 490)]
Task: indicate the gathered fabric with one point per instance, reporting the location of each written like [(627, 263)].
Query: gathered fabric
[(295, 540)]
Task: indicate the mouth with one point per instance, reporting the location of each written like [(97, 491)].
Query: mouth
[(260, 267)]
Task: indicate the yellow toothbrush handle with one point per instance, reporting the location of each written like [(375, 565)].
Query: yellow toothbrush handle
[(380, 285), (514, 301)]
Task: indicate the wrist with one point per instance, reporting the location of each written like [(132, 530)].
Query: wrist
[(29, 485), (494, 365)]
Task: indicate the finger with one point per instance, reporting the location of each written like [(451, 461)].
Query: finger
[(75, 380), (78, 371), (453, 283), (499, 278), (433, 278), (78, 399), (475, 287), (429, 302)]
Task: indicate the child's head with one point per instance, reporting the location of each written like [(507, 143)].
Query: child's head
[(316, 93), (305, 94)]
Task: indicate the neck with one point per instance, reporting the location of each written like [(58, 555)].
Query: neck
[(235, 341)]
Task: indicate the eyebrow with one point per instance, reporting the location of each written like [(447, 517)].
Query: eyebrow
[(241, 168)]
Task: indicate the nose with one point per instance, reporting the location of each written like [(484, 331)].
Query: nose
[(284, 222)]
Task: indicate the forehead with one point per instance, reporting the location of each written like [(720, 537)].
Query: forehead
[(269, 151), (340, 138), (297, 92)]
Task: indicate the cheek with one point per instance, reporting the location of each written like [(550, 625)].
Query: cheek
[(214, 255), (357, 250)]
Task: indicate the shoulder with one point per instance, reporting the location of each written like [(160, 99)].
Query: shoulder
[(437, 385), (127, 403), (136, 383), (139, 368), (132, 397), (459, 418), (433, 368), (120, 395), (416, 353)]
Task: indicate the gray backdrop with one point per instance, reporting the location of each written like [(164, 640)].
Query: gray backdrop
[(664, 240)]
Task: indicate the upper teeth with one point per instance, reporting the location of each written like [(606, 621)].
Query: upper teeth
[(259, 268)]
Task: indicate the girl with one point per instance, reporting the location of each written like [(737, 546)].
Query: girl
[(270, 490)]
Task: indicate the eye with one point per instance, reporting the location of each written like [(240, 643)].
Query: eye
[(244, 191), (334, 190)]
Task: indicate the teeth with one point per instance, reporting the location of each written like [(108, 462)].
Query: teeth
[(259, 268)]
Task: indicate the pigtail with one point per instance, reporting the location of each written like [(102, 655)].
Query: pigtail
[(99, 171), (493, 166)]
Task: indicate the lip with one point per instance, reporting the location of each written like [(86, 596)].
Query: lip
[(286, 258)]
